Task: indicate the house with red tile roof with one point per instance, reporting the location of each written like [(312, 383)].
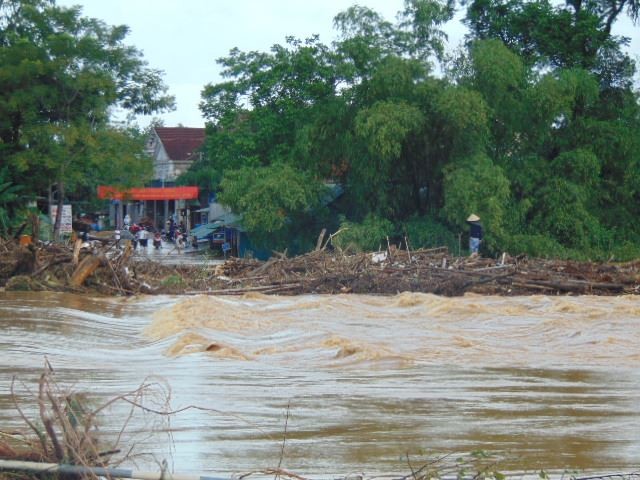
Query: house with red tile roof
[(173, 150)]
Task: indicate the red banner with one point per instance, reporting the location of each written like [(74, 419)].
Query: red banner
[(160, 193)]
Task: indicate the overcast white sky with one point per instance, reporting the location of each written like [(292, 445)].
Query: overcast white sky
[(185, 37)]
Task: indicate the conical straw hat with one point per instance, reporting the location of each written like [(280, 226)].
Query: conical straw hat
[(473, 218)]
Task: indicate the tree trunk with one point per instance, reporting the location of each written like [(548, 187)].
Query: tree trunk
[(50, 204), (60, 203), (87, 266)]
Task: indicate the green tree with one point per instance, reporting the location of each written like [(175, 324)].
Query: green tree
[(384, 128), (276, 202), (366, 38), (574, 35), (478, 186), (60, 76), (534, 129)]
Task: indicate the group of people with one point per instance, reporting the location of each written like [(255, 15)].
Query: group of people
[(141, 234), (177, 233), (173, 233)]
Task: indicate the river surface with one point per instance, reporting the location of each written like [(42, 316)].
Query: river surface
[(358, 383)]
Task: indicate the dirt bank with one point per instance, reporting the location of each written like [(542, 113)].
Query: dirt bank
[(106, 270)]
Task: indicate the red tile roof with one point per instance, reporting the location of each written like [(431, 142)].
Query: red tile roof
[(181, 143)]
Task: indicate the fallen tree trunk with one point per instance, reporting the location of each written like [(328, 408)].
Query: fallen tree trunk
[(86, 268), (243, 290)]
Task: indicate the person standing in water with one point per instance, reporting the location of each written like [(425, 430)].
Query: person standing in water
[(475, 234)]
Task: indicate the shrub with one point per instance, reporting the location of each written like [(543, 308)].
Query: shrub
[(477, 186), (368, 235), (426, 232), (539, 246), (626, 251)]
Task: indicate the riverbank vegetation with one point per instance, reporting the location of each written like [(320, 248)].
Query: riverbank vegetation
[(327, 270), (532, 125)]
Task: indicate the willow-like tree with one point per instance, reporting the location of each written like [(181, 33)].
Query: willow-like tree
[(349, 113), (564, 120)]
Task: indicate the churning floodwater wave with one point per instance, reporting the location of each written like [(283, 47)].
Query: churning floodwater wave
[(411, 328), (360, 381)]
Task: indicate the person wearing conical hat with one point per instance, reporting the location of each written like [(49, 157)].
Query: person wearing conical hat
[(475, 234)]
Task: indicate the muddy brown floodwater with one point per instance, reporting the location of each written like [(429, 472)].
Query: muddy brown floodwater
[(545, 382)]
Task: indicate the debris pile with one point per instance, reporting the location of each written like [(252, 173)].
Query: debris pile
[(429, 271), (104, 269)]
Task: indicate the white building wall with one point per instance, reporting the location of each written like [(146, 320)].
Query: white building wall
[(163, 167)]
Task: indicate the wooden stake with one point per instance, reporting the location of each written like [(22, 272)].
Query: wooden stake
[(76, 252), (320, 239), (406, 242)]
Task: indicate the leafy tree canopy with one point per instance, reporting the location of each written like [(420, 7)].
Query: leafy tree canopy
[(274, 200), (534, 128), (60, 76)]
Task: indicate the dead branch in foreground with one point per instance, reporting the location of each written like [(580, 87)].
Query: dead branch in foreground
[(66, 428)]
